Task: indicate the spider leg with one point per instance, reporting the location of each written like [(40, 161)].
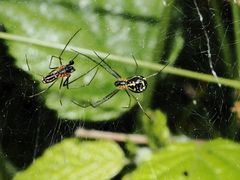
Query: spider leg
[(43, 90), (69, 42), (135, 63), (108, 68), (74, 57), (139, 104), (60, 90), (60, 56), (91, 79), (130, 99), (50, 62), (157, 73), (26, 59), (66, 82), (98, 64), (97, 103), (61, 83), (84, 85), (27, 63), (60, 101)]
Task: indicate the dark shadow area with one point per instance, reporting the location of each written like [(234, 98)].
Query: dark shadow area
[(151, 20), (25, 123), (198, 109), (124, 124)]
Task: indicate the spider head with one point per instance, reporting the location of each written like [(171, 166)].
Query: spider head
[(71, 62), (69, 68)]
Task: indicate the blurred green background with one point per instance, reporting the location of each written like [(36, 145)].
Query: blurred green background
[(188, 112)]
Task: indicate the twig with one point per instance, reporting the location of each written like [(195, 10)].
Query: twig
[(95, 134)]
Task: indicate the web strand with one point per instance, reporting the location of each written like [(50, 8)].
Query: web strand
[(208, 44)]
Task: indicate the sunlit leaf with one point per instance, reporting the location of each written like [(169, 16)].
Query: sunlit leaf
[(73, 159), (104, 27), (218, 159)]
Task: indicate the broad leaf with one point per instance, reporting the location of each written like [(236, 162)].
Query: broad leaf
[(73, 159), (104, 27), (218, 159)]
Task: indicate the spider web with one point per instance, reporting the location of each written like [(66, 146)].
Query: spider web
[(197, 109)]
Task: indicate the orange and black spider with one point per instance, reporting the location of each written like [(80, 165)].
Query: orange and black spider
[(135, 84), (63, 71)]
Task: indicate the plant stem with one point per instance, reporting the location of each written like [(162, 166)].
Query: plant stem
[(144, 64)]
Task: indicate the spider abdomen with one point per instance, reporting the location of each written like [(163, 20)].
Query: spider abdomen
[(61, 72), (136, 84), (50, 77)]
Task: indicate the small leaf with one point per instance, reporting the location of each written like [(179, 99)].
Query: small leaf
[(73, 159), (217, 159), (156, 129)]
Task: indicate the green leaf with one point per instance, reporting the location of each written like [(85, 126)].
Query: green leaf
[(217, 159), (73, 159), (111, 32), (157, 130)]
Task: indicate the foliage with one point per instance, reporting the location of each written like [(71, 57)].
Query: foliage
[(194, 160), (195, 98), (73, 159)]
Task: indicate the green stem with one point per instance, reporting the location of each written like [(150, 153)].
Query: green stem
[(153, 66), (236, 18)]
